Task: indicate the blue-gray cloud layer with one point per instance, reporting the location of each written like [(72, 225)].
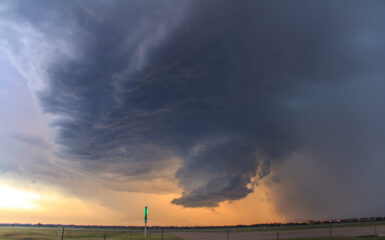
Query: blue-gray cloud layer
[(230, 88)]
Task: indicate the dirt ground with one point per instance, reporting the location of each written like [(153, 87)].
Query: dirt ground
[(290, 234)]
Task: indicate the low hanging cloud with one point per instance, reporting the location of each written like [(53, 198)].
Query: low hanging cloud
[(231, 89)]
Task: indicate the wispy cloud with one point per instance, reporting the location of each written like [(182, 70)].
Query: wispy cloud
[(229, 89), (33, 140)]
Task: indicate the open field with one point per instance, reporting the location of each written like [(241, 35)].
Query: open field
[(272, 236), (357, 231), (312, 226), (86, 234)]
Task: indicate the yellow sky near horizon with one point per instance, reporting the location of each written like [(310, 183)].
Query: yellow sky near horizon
[(126, 208)]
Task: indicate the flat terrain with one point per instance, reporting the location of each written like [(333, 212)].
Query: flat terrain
[(30, 233), (320, 233), (356, 231)]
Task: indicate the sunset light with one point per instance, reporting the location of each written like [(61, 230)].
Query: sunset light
[(11, 198), (148, 115)]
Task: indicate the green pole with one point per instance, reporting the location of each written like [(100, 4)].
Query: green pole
[(145, 213)]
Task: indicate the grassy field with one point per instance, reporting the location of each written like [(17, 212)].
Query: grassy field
[(344, 238), (308, 226), (286, 228), (34, 233), (46, 233)]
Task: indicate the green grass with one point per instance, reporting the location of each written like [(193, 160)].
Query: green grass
[(279, 228), (294, 227), (89, 234), (44, 233), (344, 238)]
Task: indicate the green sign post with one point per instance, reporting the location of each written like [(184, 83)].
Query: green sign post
[(145, 213)]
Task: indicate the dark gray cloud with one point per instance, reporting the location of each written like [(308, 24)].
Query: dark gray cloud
[(231, 88)]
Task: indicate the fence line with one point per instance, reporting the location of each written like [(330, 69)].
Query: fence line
[(331, 231)]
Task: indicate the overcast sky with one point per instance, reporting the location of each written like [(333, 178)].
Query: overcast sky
[(201, 106)]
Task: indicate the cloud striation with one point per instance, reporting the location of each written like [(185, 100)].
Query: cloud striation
[(236, 90)]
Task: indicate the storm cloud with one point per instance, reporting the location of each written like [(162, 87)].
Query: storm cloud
[(232, 89)]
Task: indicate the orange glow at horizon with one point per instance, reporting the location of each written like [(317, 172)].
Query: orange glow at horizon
[(123, 208)]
